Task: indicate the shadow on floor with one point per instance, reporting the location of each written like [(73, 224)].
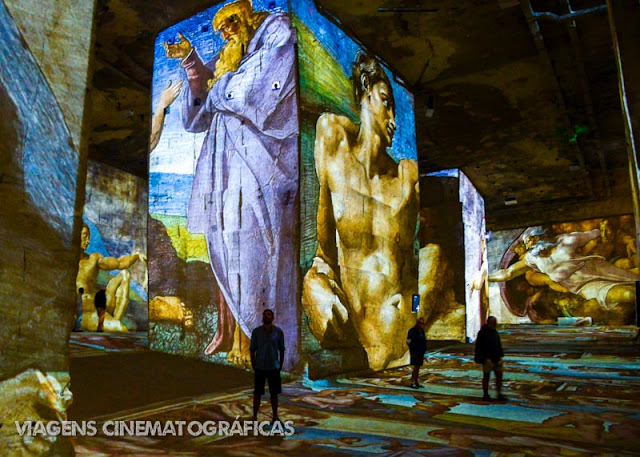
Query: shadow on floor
[(117, 382)]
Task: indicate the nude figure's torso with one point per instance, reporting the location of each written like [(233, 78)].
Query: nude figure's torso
[(375, 222)]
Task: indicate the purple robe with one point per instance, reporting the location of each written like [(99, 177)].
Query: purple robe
[(245, 190)]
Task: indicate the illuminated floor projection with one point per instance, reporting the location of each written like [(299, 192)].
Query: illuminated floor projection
[(581, 272), (572, 391)]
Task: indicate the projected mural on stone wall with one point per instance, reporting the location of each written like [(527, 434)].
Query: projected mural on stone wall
[(236, 225), (113, 242), (573, 269), (359, 200), (224, 181), (441, 236), (475, 265), (452, 240)]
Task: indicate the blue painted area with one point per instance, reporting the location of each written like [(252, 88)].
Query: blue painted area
[(504, 412), (50, 163), (319, 385), (344, 50), (450, 173), (96, 243), (169, 193)]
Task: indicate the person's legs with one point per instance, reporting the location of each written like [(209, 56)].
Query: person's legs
[(258, 391), (485, 385), (256, 405), (414, 375), (275, 388), (487, 367)]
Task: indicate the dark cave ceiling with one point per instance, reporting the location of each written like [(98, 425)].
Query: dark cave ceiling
[(527, 107)]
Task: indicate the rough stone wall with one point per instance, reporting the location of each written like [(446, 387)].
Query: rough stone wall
[(58, 34), (42, 192)]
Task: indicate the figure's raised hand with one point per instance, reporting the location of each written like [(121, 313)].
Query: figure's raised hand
[(169, 94), (178, 50)]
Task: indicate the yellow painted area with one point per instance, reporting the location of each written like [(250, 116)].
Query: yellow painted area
[(382, 427), (189, 246)]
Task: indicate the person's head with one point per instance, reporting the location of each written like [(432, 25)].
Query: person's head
[(492, 322), (235, 23), (85, 237), (373, 94), (100, 301), (420, 323), (267, 317)]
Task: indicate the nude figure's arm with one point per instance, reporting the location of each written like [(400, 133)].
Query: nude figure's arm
[(506, 274), (167, 97), (540, 279), (408, 173), (120, 263), (322, 296), (580, 238), (325, 145)]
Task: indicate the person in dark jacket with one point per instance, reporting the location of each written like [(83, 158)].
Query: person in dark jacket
[(489, 353), (417, 342)]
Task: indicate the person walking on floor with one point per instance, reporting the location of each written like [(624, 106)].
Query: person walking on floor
[(417, 342), (489, 354)]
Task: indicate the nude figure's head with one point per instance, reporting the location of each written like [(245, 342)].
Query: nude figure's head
[(372, 92), (85, 237)]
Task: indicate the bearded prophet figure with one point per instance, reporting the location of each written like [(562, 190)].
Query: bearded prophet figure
[(245, 189), (117, 290), (367, 215), (591, 276)]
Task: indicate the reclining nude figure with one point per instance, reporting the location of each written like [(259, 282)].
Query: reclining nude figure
[(609, 290), (363, 275)]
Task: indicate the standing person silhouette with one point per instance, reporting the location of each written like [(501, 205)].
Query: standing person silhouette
[(489, 353), (267, 357)]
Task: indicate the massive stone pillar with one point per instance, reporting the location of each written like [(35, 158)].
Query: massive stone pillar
[(42, 168), (624, 16)]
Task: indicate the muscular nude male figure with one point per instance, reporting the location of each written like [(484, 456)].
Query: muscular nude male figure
[(364, 270), (117, 288)]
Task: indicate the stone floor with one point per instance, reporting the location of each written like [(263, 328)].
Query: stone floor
[(572, 392)]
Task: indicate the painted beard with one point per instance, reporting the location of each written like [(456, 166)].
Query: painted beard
[(232, 53)]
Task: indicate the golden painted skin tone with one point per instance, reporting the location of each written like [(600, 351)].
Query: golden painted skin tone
[(117, 289), (367, 215), (167, 97)]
